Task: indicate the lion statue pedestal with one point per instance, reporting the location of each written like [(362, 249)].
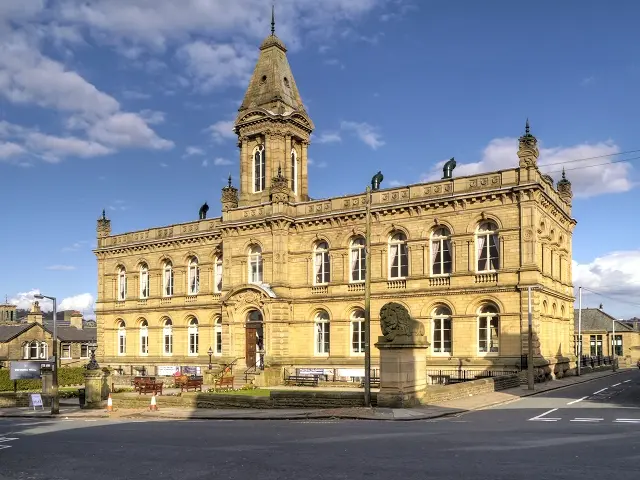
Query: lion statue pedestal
[(403, 358)]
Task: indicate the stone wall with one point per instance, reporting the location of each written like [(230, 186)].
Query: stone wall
[(20, 399), (441, 393)]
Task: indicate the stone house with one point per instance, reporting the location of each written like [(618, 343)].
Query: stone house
[(278, 280)]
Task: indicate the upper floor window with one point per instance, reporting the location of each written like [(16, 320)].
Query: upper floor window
[(144, 281), (122, 284), (35, 350), (217, 275), (358, 259), (122, 337), (322, 333), (398, 256), (167, 279), (167, 334), (488, 330), (144, 337), (193, 337), (321, 264), (441, 263), (442, 330), (357, 331), (255, 264), (259, 168), (194, 276), (218, 336), (294, 171), (487, 245)]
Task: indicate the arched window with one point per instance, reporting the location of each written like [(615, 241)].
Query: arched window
[(193, 337), (321, 264), (441, 263), (217, 275), (255, 264), (322, 333), (487, 247), (144, 337), (488, 329), (167, 279), (122, 284), (358, 259), (167, 333), (44, 350), (259, 168), (357, 331), (545, 308), (218, 336), (194, 276), (122, 338), (294, 171), (398, 256), (144, 281), (442, 341), (34, 349)]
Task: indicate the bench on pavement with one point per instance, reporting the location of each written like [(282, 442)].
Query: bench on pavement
[(191, 384), (223, 382), (302, 380), (150, 387), (374, 382)]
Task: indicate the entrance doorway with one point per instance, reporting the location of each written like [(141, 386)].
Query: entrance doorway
[(254, 353)]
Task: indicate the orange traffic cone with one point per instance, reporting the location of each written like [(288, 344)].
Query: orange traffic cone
[(109, 404), (153, 407)]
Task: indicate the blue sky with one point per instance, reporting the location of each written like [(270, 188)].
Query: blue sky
[(127, 105)]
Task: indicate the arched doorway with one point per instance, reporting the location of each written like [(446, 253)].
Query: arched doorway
[(254, 339)]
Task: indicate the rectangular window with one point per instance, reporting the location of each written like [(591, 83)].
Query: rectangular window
[(441, 255), (322, 338), (488, 335), (595, 344), (194, 280), (357, 336), (144, 345), (168, 343), (84, 351), (168, 282), (617, 343), (322, 268), (578, 345), (218, 350), (399, 261), (488, 255), (358, 264), (256, 269), (66, 350), (122, 344), (442, 335), (193, 343), (217, 283)]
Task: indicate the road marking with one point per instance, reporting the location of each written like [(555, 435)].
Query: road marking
[(579, 400), (626, 381), (540, 418), (4, 446), (616, 384), (627, 420), (600, 391), (587, 420), (7, 439)]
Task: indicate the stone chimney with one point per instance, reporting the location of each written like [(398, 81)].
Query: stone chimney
[(75, 320), (35, 315)]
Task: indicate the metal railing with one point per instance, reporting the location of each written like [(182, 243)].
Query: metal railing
[(595, 360), (446, 377)]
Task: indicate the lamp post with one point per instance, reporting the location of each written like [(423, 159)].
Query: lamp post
[(579, 330), (55, 399), (613, 338), (210, 353), (367, 305), (530, 379)]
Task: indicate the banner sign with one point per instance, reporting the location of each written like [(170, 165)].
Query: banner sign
[(191, 370), (26, 370), (166, 370), (35, 400), (315, 371)]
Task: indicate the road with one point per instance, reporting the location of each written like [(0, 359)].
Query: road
[(588, 430)]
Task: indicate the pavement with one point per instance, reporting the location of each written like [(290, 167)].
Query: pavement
[(582, 430), (438, 410)]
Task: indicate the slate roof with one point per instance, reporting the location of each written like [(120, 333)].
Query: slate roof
[(65, 334), (9, 332), (595, 320)]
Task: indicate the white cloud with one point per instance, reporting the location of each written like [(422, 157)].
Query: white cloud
[(163, 165), (219, 162), (76, 246), (587, 81), (396, 183), (152, 117), (9, 149), (334, 62), (321, 164), (127, 130), (134, 95), (222, 130), (205, 163), (215, 65), (52, 148), (593, 174), (191, 151), (365, 132), (61, 267), (327, 137), (84, 303)]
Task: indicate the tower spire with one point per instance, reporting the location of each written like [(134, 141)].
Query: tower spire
[(527, 130), (273, 19)]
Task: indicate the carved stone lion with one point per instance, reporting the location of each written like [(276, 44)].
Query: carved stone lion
[(395, 321)]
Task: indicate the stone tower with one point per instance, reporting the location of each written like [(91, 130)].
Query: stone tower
[(527, 153), (103, 229), (273, 128), (564, 188)]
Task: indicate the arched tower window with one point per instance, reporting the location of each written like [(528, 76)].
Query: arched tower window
[(398, 256), (294, 171), (167, 279), (194, 339), (144, 281), (144, 337), (358, 259), (255, 264), (321, 264), (487, 247), (194, 276), (441, 263), (122, 284), (259, 168)]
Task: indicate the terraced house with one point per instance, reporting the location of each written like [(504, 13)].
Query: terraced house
[(278, 280)]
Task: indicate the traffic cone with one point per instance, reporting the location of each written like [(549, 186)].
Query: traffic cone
[(109, 404), (153, 407)]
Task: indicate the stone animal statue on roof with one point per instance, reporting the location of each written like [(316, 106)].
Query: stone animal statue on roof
[(396, 323), (447, 169), (376, 180), (203, 211)]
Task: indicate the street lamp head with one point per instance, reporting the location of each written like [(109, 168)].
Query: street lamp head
[(39, 297), (210, 351)]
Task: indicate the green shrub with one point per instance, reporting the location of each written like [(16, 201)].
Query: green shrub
[(71, 376), (66, 377)]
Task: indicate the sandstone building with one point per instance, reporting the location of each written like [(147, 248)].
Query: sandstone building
[(280, 277)]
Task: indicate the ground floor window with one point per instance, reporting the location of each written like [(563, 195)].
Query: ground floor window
[(488, 330), (595, 345), (84, 351), (66, 350), (617, 345), (357, 331), (322, 327)]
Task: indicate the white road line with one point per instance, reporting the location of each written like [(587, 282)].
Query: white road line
[(626, 381), (7, 439), (546, 419), (600, 391), (579, 400), (539, 417), (587, 420), (627, 420), (616, 384), (4, 446)]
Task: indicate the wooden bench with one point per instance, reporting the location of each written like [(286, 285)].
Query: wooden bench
[(302, 380), (374, 382), (223, 382), (191, 384), (150, 387), (138, 380)]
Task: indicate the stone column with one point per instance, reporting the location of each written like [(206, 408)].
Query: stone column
[(93, 380), (303, 185), (47, 381)]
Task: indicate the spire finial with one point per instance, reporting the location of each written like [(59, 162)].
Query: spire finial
[(273, 19), (104, 216), (526, 128), (563, 175), (229, 180)]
